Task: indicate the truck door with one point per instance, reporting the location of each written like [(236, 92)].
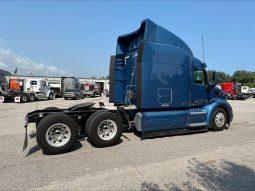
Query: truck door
[(43, 89), (197, 115), (198, 89)]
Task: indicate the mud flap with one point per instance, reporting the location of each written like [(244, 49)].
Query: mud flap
[(25, 139)]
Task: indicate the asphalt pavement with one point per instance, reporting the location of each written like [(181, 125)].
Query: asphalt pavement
[(202, 161)]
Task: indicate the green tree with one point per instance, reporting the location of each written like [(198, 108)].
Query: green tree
[(221, 76), (242, 76)]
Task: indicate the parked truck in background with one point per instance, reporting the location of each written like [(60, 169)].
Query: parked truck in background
[(253, 92), (1, 95), (33, 89), (245, 90), (13, 90), (72, 88), (150, 66), (234, 91), (100, 86), (76, 93), (55, 87), (68, 83), (93, 89)]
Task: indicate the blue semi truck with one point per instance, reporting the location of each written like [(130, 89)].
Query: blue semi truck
[(158, 87)]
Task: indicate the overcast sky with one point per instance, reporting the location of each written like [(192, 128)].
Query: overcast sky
[(77, 38)]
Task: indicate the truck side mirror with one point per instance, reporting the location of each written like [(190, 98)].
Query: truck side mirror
[(214, 78)]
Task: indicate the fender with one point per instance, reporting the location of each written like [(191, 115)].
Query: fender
[(216, 103)]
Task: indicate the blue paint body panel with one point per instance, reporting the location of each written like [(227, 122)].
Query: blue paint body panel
[(163, 120), (161, 76)]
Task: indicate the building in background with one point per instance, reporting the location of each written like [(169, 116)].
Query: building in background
[(54, 82)]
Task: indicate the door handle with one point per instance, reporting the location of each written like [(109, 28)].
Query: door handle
[(194, 101)]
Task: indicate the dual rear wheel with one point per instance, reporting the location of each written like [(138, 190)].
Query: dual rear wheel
[(104, 128), (58, 133)]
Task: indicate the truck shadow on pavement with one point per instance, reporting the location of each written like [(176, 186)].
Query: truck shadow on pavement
[(36, 148), (210, 175)]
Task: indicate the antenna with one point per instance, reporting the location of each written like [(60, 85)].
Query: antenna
[(203, 49)]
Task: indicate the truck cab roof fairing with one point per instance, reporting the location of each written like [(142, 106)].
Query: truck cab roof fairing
[(151, 32)]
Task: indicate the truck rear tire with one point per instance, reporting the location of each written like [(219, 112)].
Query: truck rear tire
[(219, 120), (56, 133), (23, 99), (105, 129), (90, 119)]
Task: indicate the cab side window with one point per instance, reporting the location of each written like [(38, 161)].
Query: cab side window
[(33, 83), (198, 76)]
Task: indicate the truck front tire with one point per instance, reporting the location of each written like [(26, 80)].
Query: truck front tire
[(104, 129), (56, 133), (219, 120)]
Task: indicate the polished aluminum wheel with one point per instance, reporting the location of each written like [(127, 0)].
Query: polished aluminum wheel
[(107, 129), (58, 135), (220, 119)]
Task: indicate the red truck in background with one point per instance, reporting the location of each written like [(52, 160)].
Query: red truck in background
[(92, 89), (233, 91)]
